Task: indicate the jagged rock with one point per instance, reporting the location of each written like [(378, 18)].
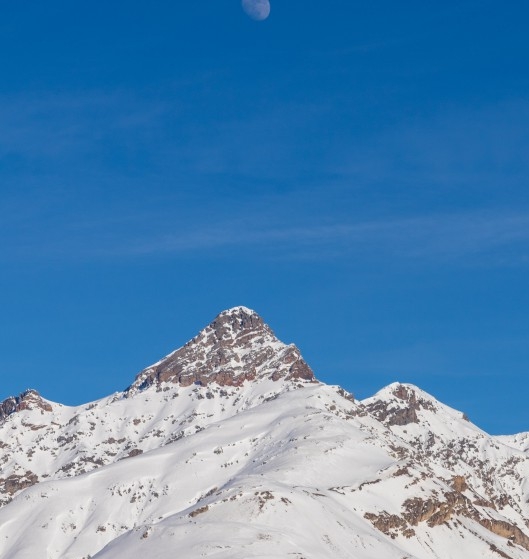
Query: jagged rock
[(28, 400), (390, 524), (506, 530), (237, 346), (435, 513), (15, 483), (402, 410), (459, 483)]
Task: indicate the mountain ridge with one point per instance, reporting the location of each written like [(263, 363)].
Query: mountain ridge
[(228, 435)]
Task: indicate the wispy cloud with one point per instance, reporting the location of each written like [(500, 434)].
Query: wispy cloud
[(449, 237), (287, 201), (469, 238), (60, 125)]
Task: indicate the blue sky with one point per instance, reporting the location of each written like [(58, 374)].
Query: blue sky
[(357, 172)]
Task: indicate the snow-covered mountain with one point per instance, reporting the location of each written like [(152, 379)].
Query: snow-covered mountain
[(230, 448)]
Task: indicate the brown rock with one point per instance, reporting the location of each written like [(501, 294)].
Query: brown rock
[(401, 411), (28, 400), (15, 483), (459, 484), (236, 347)]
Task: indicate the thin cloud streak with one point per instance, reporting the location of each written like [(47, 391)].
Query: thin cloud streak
[(472, 238), (448, 236), (61, 125)]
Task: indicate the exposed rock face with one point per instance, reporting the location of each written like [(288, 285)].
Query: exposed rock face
[(15, 483), (459, 484), (402, 410), (28, 400), (506, 530), (390, 524), (235, 347), (435, 513)]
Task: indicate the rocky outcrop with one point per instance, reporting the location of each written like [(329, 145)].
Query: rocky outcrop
[(390, 524), (436, 512), (28, 400), (402, 410), (15, 483), (459, 484), (506, 530), (455, 504), (237, 346)]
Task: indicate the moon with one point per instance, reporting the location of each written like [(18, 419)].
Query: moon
[(256, 9)]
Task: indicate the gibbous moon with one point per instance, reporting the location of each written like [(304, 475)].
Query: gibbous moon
[(256, 9)]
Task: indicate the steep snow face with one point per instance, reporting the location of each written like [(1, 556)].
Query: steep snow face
[(235, 347), (229, 448)]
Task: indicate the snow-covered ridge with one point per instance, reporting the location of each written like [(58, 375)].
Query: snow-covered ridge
[(519, 441), (229, 448)]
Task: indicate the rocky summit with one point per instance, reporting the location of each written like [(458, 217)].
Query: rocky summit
[(236, 347), (30, 399), (230, 448)]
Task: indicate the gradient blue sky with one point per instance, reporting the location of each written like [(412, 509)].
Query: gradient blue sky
[(357, 172)]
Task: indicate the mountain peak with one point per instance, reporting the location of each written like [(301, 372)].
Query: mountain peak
[(400, 404), (239, 321), (238, 310), (29, 399), (236, 346)]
